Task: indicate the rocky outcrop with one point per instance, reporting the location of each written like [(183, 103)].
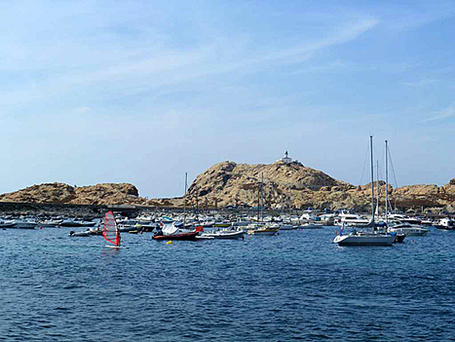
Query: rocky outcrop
[(230, 184), (298, 186), (42, 193), (107, 194), (60, 193)]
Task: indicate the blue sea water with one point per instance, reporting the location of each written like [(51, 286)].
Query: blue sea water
[(295, 286)]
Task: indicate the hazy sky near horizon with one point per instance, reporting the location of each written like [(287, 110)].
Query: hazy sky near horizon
[(144, 91)]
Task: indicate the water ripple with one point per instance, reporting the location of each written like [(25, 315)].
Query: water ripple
[(295, 286)]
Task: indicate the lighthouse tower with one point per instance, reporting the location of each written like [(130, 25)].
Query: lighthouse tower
[(286, 158)]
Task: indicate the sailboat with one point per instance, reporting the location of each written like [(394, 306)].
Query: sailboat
[(260, 228), (110, 231), (172, 232), (398, 227), (358, 238)]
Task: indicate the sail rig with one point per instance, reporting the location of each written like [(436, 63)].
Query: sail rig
[(110, 230)]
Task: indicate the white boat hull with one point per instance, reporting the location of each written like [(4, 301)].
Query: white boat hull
[(410, 231), (311, 226), (222, 235), (25, 225), (364, 240)]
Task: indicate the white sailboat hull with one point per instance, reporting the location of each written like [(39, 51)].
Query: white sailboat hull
[(364, 240)]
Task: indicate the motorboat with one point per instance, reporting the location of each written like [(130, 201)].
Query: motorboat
[(408, 229), (177, 236), (311, 225), (261, 229), (445, 223), (176, 231), (403, 218), (426, 222), (71, 223), (25, 224), (222, 234), (350, 219), (48, 224), (7, 224), (88, 232)]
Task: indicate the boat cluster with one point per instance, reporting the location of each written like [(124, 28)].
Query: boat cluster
[(214, 225), (385, 229), (172, 226), (188, 227), (32, 222)]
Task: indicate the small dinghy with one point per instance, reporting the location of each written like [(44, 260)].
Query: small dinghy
[(84, 233)]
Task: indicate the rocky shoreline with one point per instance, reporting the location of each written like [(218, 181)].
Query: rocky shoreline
[(231, 185)]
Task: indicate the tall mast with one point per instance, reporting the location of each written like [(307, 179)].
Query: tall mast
[(184, 201), (372, 178), (262, 197), (386, 184), (259, 202), (290, 201), (377, 188)]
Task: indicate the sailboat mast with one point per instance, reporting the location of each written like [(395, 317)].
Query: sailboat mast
[(377, 188), (262, 196), (372, 177), (259, 203), (184, 199), (386, 184)]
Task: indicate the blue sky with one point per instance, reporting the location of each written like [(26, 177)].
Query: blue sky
[(144, 91)]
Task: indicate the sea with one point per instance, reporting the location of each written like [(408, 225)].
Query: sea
[(298, 285)]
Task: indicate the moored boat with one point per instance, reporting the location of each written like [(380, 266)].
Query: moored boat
[(445, 223), (25, 224), (311, 225), (222, 234), (364, 239), (261, 229), (408, 229), (7, 224), (177, 236)]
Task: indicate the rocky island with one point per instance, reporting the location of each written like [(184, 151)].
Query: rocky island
[(285, 184)]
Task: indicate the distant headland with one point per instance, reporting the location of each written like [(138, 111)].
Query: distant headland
[(285, 184)]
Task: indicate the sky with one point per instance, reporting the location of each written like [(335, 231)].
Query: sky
[(144, 91)]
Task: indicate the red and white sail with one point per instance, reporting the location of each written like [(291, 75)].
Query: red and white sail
[(110, 229)]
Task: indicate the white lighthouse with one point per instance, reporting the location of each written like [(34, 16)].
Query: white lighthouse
[(286, 158)]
